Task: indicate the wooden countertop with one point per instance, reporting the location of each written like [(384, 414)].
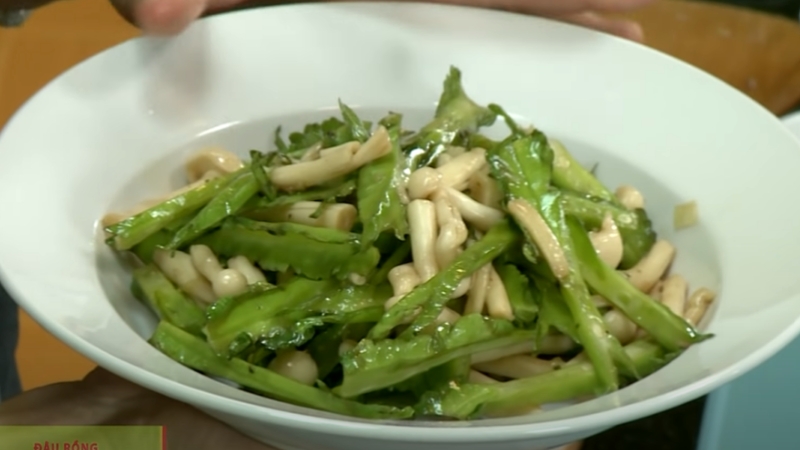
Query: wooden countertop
[(756, 53)]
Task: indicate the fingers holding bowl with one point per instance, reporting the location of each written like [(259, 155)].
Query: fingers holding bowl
[(167, 17)]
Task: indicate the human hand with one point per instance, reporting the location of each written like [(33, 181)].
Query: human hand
[(105, 399), (167, 17), (172, 16)]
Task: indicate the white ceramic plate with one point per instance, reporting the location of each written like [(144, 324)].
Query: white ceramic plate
[(115, 129)]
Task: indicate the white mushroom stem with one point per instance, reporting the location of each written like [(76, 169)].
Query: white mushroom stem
[(357, 279), (480, 216), (447, 316), (404, 279), (479, 289), (452, 230), (460, 169), (673, 295), (485, 190), (332, 163), (534, 225), (652, 267), (302, 175), (297, 365), (113, 218), (607, 242), (205, 261), (214, 158), (452, 234), (224, 282), (422, 183), (251, 273), (340, 216), (620, 326), (494, 355), (422, 227), (462, 289), (698, 304), (452, 172), (497, 302), (630, 197), (377, 146), (229, 283), (178, 267), (455, 151), (517, 366), (340, 152), (476, 377)]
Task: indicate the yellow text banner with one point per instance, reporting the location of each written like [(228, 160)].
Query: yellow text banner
[(82, 438)]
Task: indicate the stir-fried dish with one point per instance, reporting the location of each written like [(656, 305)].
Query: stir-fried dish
[(369, 270)]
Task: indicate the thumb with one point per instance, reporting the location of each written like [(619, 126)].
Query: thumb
[(160, 17)]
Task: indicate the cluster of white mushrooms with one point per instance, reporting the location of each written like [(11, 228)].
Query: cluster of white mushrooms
[(442, 204), (459, 192), (438, 215)]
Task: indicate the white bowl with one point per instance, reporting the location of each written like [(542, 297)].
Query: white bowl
[(115, 129)]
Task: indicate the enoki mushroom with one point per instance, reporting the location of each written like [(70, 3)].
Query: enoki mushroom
[(200, 274)]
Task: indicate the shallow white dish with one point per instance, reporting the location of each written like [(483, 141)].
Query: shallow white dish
[(116, 128), (733, 417)]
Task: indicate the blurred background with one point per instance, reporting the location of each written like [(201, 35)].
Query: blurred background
[(754, 45)]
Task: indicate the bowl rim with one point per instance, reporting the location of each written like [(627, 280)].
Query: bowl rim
[(469, 431), (716, 417)]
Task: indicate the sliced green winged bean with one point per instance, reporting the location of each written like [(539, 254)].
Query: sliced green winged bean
[(124, 235), (523, 168), (196, 354), (380, 208), (225, 204), (670, 330)]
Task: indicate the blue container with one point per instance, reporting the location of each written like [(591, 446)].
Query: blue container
[(759, 410)]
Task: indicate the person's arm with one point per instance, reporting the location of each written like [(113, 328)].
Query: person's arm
[(105, 399)]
